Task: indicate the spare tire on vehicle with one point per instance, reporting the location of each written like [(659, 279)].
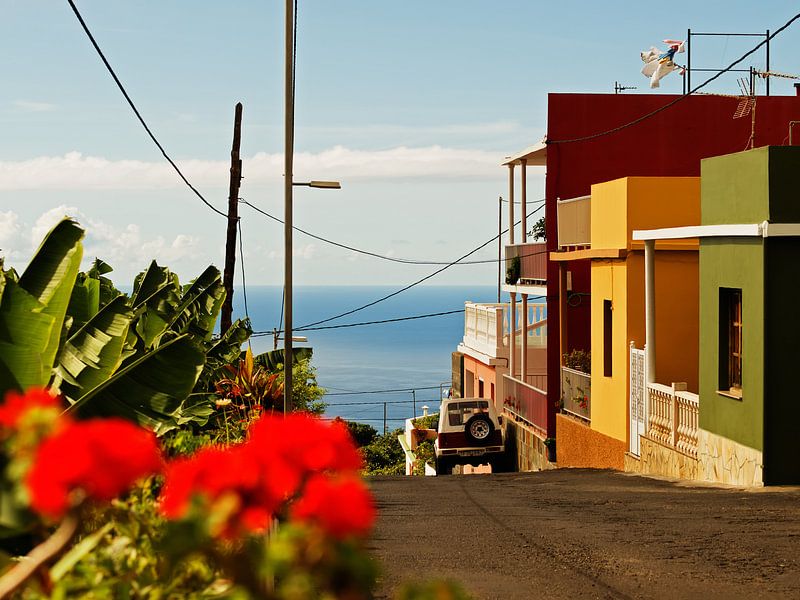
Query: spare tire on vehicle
[(478, 430)]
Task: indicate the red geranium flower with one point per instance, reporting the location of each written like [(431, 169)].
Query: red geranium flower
[(342, 506), (306, 442), (254, 488), (100, 458), (17, 405)]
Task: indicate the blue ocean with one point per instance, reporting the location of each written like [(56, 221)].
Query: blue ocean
[(372, 358)]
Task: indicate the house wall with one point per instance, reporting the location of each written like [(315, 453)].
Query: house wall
[(781, 353), (733, 263), (618, 208), (578, 445), (487, 372)]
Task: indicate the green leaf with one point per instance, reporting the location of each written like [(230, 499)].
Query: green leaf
[(272, 359), (200, 305), (50, 277), (96, 350), (77, 552), (85, 300), (25, 332), (149, 390)]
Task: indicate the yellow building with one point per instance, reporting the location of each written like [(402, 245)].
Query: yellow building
[(618, 314)]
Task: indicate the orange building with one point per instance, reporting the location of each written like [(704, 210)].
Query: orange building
[(601, 420)]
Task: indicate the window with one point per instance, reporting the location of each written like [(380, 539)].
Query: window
[(459, 413), (730, 340), (480, 388), (491, 388), (607, 341)]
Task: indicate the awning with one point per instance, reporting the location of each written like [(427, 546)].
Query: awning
[(535, 156)]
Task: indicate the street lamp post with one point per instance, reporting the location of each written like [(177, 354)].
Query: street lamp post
[(289, 183)]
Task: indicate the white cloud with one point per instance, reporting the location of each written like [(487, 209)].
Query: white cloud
[(74, 171), (9, 228), (30, 106), (124, 247)]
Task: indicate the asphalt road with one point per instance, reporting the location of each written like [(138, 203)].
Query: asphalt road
[(575, 533)]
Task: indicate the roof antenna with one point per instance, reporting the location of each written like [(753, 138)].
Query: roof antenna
[(618, 87)]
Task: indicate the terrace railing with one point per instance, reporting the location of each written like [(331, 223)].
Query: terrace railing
[(484, 328), (574, 222), (532, 263), (526, 402), (673, 416), (576, 393)]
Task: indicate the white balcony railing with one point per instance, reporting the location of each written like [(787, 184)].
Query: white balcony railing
[(574, 222), (484, 328), (673, 416)]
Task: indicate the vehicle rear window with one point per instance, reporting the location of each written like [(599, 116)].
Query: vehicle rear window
[(459, 413)]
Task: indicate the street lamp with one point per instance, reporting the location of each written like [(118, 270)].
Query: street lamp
[(288, 158)]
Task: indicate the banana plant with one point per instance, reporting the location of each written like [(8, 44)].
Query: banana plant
[(140, 357)]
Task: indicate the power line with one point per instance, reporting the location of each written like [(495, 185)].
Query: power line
[(395, 320), (308, 326), (679, 98), (241, 260), (391, 391), (136, 111), (407, 261), (371, 403)]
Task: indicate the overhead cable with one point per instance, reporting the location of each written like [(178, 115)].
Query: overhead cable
[(136, 111), (407, 261), (308, 326)]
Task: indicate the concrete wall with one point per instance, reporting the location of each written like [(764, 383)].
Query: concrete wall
[(577, 445), (724, 461), (526, 446)]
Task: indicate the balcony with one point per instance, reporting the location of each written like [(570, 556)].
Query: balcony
[(576, 393), (526, 264), (574, 223), (526, 402), (484, 328)]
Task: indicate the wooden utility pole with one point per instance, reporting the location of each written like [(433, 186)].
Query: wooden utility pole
[(233, 221)]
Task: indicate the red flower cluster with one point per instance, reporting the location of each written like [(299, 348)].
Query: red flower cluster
[(342, 506), (99, 458), (18, 405), (297, 457)]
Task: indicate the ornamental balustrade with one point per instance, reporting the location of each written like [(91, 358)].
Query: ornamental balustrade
[(673, 416)]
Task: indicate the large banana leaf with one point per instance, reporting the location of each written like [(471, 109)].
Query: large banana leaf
[(96, 350), (224, 350), (151, 389), (200, 305), (50, 277), (272, 359), (25, 331), (84, 302)]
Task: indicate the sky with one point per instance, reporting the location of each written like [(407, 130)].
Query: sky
[(411, 105)]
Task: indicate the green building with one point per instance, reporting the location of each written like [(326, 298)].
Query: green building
[(748, 429)]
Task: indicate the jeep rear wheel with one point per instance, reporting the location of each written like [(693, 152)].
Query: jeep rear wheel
[(478, 429)]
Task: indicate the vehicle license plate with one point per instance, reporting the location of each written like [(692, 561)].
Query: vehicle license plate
[(471, 452)]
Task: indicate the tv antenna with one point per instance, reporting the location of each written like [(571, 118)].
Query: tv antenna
[(618, 87)]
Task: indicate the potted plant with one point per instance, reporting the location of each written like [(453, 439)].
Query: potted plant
[(513, 271), (550, 444)]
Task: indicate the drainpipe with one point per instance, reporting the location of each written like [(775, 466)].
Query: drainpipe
[(524, 362), (650, 309), (512, 346)]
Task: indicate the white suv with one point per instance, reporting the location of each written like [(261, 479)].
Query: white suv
[(469, 433)]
